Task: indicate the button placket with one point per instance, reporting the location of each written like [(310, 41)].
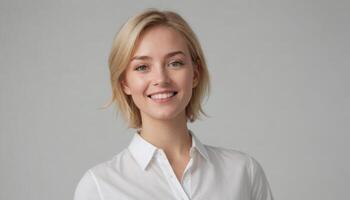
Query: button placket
[(186, 178), (171, 177)]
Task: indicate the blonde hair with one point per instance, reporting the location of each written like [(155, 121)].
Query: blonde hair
[(122, 49)]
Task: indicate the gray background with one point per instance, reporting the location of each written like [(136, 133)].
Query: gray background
[(280, 77)]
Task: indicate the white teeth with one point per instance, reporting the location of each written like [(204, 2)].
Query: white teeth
[(163, 95)]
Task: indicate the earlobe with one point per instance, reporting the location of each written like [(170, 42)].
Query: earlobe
[(125, 87), (195, 76)]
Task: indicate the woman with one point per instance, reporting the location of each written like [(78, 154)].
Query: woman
[(159, 79)]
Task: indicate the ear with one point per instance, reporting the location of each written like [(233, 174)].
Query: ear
[(195, 75), (125, 87)]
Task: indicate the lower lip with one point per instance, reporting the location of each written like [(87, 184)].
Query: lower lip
[(163, 100)]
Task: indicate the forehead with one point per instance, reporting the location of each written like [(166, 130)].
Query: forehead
[(160, 40)]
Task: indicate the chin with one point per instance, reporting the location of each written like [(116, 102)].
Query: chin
[(164, 115)]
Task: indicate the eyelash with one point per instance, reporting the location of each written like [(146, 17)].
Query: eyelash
[(178, 64), (138, 67)]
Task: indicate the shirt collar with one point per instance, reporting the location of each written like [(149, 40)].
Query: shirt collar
[(197, 144), (143, 151)]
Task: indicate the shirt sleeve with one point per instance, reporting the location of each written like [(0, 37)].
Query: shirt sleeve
[(260, 188), (88, 188)]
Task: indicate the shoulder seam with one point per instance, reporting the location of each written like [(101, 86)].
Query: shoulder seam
[(97, 185), (250, 171)]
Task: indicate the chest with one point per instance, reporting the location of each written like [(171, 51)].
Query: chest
[(161, 181)]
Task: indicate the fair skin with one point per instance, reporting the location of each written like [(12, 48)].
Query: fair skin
[(161, 61)]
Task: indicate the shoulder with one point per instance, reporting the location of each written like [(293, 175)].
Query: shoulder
[(228, 155), (235, 162), (235, 159), (116, 164), (89, 185)]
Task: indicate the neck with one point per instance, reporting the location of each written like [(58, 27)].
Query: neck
[(170, 135)]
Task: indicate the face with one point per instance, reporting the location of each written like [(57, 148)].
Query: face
[(161, 75)]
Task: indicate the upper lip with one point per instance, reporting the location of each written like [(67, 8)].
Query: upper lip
[(164, 91)]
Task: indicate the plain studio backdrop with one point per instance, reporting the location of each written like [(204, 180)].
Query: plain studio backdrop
[(280, 91)]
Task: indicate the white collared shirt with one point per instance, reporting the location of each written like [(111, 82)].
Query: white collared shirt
[(142, 171)]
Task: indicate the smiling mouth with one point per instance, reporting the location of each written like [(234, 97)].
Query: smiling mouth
[(162, 96)]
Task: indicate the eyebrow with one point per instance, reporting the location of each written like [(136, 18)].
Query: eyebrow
[(167, 56)]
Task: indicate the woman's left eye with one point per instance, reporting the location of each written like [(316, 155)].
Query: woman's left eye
[(176, 63), (141, 68)]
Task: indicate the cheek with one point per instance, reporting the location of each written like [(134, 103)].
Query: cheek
[(139, 88), (136, 85), (187, 80)]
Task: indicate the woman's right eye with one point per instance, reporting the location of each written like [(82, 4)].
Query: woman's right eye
[(141, 68)]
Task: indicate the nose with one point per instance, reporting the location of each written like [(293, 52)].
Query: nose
[(160, 77)]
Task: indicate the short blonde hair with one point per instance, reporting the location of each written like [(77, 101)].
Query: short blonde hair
[(123, 47)]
